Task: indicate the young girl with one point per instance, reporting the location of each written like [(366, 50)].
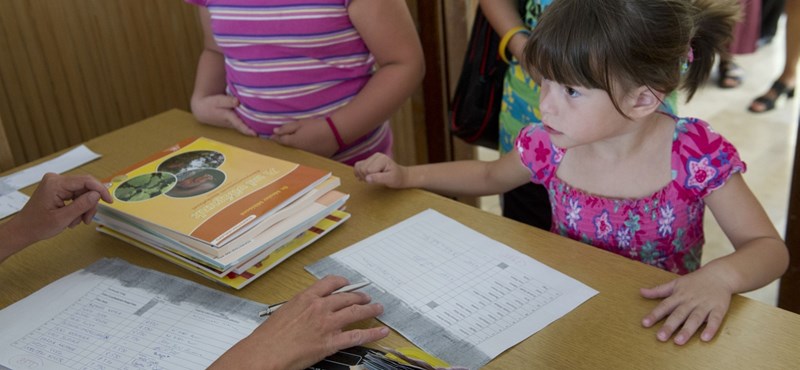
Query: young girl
[(302, 71), (622, 175), (528, 203)]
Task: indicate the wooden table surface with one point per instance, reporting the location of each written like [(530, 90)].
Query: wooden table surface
[(604, 332)]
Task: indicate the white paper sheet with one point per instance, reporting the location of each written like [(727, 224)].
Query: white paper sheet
[(65, 162), (113, 315), (454, 292), (11, 203)]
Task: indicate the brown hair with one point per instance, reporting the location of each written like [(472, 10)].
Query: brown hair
[(605, 44)]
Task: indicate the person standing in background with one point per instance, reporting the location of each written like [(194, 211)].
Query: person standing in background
[(302, 72)]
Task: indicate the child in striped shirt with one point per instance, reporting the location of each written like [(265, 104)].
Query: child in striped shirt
[(303, 72)]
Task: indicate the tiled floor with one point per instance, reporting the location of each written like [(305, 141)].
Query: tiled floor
[(765, 141)]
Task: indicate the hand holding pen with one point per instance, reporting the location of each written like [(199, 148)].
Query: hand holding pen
[(308, 327)]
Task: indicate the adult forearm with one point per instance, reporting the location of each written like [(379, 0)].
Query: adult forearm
[(12, 240)]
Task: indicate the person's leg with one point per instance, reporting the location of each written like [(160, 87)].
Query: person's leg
[(788, 78), (730, 74), (771, 11), (529, 204)]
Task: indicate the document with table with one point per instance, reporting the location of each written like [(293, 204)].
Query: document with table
[(455, 293), (114, 315)]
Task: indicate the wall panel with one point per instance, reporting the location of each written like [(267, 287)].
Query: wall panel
[(75, 69)]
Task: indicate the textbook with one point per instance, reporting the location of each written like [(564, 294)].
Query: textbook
[(239, 280), (220, 211), (205, 194)]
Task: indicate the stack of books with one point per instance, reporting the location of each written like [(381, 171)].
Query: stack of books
[(223, 212)]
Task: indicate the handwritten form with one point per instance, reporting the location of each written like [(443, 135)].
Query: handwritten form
[(454, 292), (114, 315)]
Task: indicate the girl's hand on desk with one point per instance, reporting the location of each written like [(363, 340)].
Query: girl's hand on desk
[(689, 301), (217, 110), (311, 135), (380, 169)]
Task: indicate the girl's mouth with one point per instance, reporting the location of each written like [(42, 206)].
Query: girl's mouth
[(551, 130)]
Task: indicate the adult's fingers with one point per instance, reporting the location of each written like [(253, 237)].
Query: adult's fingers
[(356, 313), (81, 184), (358, 337), (326, 285), (343, 300), (76, 210)]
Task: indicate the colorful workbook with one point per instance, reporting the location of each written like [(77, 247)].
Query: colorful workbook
[(220, 211), (205, 194)]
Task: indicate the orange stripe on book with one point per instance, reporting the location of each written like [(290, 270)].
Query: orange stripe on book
[(316, 230), (333, 218)]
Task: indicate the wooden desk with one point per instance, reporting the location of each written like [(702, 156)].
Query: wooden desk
[(604, 332)]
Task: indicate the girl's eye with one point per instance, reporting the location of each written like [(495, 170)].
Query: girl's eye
[(571, 92)]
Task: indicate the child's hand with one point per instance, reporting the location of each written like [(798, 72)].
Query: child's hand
[(312, 135), (217, 110), (380, 169), (690, 300)]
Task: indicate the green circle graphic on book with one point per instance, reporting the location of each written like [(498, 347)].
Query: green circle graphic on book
[(144, 187)]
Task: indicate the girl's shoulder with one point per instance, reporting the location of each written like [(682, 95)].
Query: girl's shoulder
[(694, 135), (703, 160)]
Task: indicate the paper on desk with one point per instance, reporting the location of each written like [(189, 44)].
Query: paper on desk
[(115, 315), (11, 200), (454, 292), (65, 162)]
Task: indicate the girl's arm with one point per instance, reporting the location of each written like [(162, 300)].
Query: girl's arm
[(503, 16), (459, 178), (390, 35), (761, 255), (209, 102), (704, 295)]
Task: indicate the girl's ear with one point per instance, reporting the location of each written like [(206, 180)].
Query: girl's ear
[(644, 101)]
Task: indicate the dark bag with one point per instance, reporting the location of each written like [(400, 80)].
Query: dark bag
[(475, 108)]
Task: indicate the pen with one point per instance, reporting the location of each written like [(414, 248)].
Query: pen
[(349, 288)]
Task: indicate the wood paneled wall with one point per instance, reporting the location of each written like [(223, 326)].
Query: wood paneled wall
[(74, 69)]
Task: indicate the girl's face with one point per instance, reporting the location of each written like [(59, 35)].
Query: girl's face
[(575, 116)]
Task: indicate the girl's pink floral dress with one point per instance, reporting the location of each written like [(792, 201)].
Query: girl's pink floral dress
[(664, 229)]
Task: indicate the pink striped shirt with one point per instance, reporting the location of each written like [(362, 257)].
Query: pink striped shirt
[(289, 60)]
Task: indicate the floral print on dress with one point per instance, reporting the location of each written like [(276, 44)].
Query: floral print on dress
[(701, 172), (664, 229)]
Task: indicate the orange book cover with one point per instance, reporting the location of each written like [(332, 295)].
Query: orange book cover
[(207, 190)]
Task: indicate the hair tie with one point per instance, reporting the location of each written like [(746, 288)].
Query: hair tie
[(689, 59)]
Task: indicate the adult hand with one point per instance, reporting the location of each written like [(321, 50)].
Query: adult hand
[(217, 110), (380, 169), (49, 210), (689, 301), (312, 135), (306, 329)]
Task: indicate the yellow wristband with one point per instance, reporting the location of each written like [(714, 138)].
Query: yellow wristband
[(507, 38)]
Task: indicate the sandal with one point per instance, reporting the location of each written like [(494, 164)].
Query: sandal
[(730, 75), (768, 100)]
